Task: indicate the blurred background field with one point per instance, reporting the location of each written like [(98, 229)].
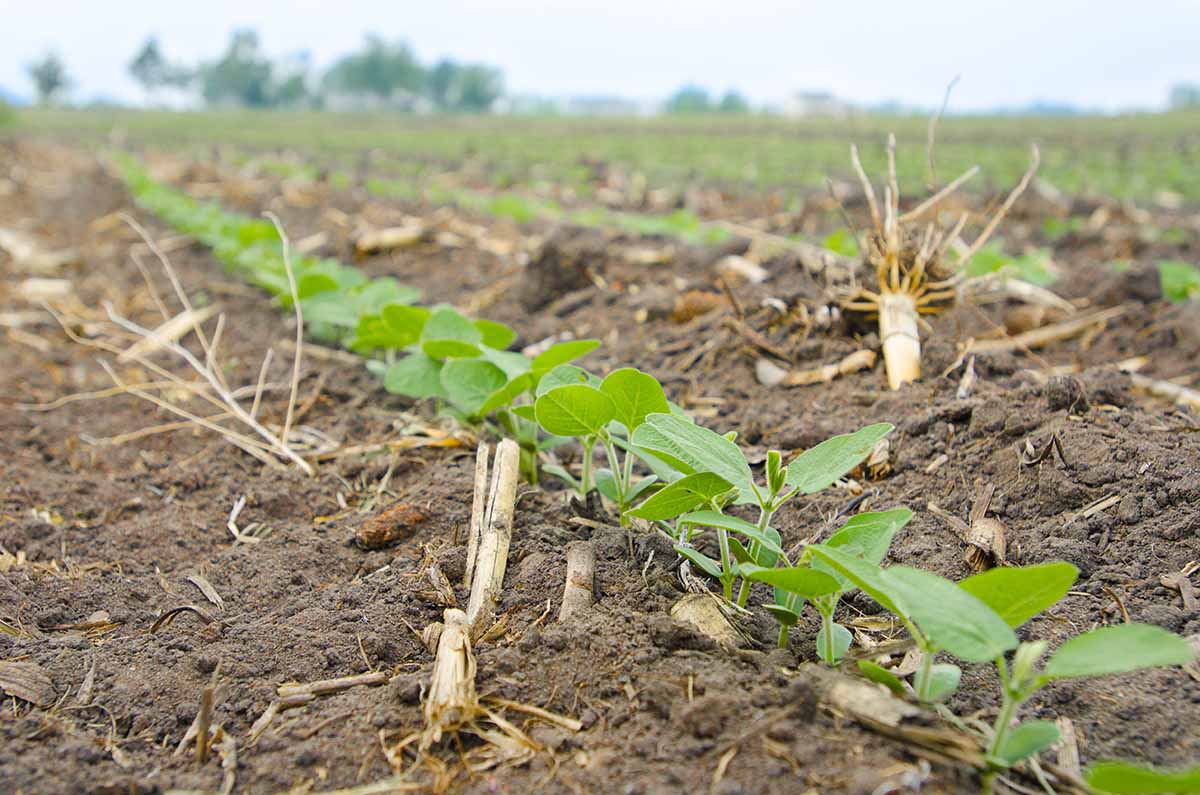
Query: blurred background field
[(1146, 157)]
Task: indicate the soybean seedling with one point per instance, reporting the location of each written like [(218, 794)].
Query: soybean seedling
[(579, 405), (868, 535), (1016, 595), (722, 476), (939, 616)]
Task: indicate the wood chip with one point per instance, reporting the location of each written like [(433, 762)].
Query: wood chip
[(27, 681)]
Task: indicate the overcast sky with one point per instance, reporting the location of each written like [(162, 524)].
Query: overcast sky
[(1107, 54)]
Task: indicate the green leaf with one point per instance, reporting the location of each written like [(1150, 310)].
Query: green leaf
[(733, 525), (506, 394), (563, 375), (709, 566), (416, 376), (635, 394), (681, 496), (949, 617), (783, 614), (405, 322), (575, 410), (495, 335), (820, 466), (952, 618), (1180, 281), (870, 534), (842, 638), (1127, 778), (563, 352), (525, 413), (640, 485), (556, 471), (470, 382), (866, 576), (512, 363), (1117, 649), (1019, 594), (743, 556), (606, 483), (314, 283), (943, 681), (449, 349), (447, 324), (877, 673), (800, 580), (1026, 740), (692, 448)]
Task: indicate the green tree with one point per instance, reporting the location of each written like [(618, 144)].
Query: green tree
[(383, 71), (733, 102), (441, 83), (689, 99), (241, 77), (50, 78), (154, 72), (1185, 95), (479, 87)]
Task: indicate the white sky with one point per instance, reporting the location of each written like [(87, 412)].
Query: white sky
[(1104, 53)]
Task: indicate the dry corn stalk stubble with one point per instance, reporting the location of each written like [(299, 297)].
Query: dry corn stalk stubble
[(452, 704), (912, 275)]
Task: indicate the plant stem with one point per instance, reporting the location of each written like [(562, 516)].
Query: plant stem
[(1003, 724), (827, 652), (585, 479), (783, 635), (764, 519), (924, 675), (726, 563)]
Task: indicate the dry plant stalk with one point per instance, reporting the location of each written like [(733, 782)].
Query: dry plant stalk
[(491, 558), (452, 701), (478, 501), (771, 374), (910, 270), (247, 432), (578, 592)]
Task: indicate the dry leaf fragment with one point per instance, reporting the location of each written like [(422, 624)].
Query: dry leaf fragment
[(27, 681)]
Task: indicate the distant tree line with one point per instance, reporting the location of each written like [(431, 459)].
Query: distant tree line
[(1185, 95), (381, 75), (695, 99)]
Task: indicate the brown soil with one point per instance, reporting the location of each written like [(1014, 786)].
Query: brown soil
[(120, 528)]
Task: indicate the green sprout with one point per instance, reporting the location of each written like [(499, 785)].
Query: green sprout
[(604, 412), (697, 451)]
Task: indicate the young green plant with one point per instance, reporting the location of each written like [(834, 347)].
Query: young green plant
[(867, 535), (579, 405), (716, 474), (1018, 594)]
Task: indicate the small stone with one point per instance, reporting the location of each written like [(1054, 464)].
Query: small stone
[(1066, 392)]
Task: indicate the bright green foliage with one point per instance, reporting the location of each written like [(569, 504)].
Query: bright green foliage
[(843, 242), (1116, 650), (1036, 267), (572, 402), (818, 467), (1180, 281), (748, 550), (1123, 778), (1018, 594), (335, 298)]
